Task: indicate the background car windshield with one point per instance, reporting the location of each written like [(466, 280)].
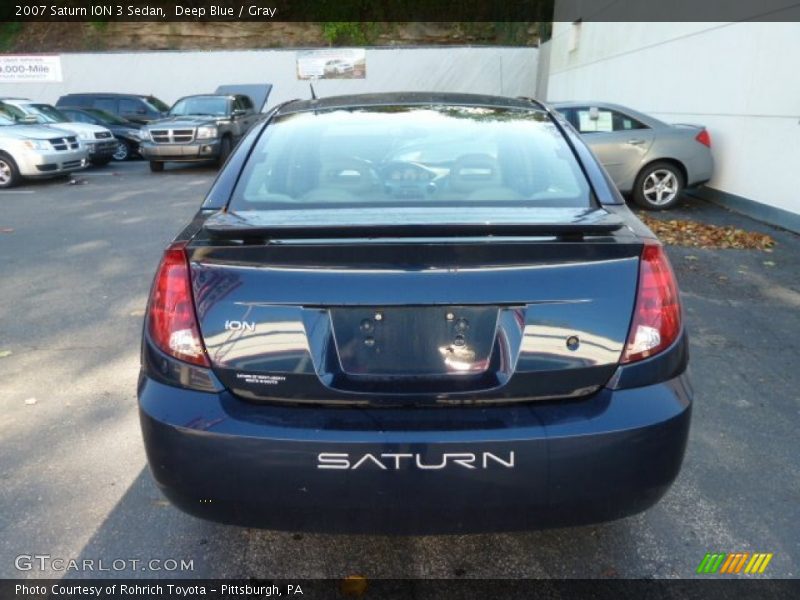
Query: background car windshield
[(200, 105), (106, 117), (12, 113), (49, 113), (402, 155), (156, 104)]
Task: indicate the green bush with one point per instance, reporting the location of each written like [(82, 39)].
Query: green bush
[(8, 33)]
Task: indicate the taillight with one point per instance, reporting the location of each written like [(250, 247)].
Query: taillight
[(704, 138), (657, 316), (171, 320)]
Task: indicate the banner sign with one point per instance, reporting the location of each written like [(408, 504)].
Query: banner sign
[(336, 63), (30, 67)]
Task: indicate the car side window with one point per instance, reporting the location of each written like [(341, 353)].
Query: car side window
[(603, 120), (130, 107), (570, 115), (77, 116), (246, 104), (623, 122), (107, 104)]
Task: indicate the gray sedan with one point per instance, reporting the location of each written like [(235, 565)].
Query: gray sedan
[(652, 160)]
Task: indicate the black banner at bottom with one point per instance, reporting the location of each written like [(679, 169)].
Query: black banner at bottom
[(390, 589)]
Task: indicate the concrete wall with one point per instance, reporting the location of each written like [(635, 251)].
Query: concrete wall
[(739, 79), (543, 72), (170, 75)]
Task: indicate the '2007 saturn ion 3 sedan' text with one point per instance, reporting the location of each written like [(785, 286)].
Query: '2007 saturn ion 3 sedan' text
[(414, 313)]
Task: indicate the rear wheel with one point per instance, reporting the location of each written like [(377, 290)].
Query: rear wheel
[(9, 173), (658, 186), (156, 166), (123, 151), (225, 147)]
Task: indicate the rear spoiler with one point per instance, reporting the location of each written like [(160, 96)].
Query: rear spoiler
[(231, 226)]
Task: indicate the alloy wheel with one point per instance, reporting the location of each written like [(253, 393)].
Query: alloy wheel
[(121, 152), (5, 173), (660, 187)]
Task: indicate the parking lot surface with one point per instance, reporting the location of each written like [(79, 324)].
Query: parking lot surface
[(76, 262)]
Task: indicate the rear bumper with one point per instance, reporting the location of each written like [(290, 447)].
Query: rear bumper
[(576, 462), (699, 168), (195, 151)]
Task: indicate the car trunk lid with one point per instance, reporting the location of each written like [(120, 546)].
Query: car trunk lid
[(423, 313)]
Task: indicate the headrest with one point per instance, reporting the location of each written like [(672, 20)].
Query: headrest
[(351, 174), (472, 172)]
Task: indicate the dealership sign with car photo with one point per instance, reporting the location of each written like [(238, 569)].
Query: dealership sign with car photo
[(30, 67), (337, 63)]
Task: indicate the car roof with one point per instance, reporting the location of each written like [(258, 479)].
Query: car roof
[(409, 98), (210, 96), (109, 94)]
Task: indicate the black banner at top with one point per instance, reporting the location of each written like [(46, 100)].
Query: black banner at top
[(278, 10), (400, 10)]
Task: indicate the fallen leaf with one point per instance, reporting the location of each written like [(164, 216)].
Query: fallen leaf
[(768, 263), (694, 234), (690, 257), (137, 313), (4, 353), (30, 401), (7, 230)]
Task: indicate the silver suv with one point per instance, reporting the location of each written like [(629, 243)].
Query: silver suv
[(99, 141), (28, 150)]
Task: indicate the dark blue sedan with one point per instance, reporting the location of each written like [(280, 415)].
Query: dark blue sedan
[(414, 313)]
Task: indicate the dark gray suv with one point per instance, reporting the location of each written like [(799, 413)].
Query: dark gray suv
[(198, 128)]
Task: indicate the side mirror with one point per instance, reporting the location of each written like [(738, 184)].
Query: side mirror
[(594, 113)]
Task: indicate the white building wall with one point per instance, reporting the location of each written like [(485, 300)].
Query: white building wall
[(170, 75), (738, 79)]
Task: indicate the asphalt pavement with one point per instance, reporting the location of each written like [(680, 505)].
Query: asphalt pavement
[(76, 262)]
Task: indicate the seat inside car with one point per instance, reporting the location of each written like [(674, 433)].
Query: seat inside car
[(478, 177), (343, 179)]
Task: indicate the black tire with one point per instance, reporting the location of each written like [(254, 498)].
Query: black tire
[(156, 166), (225, 148), (9, 173), (123, 151), (101, 162), (658, 186)]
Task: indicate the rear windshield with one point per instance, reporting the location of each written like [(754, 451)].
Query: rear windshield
[(403, 155)]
